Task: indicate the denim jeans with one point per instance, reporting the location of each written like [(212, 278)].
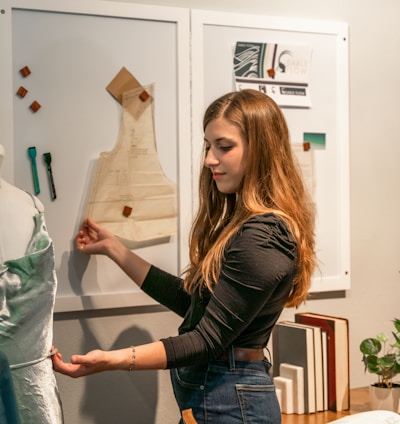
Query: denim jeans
[(226, 392)]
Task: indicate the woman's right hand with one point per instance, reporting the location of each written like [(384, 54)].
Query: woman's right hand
[(94, 239)]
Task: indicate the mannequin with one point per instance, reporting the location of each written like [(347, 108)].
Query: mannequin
[(27, 292), (16, 211)]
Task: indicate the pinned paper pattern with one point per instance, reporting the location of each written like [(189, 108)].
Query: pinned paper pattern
[(130, 195)]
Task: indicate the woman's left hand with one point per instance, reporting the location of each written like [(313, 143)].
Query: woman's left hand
[(81, 365)]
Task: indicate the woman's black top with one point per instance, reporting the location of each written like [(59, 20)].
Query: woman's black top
[(258, 269)]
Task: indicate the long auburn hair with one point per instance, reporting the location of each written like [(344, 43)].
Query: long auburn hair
[(272, 183)]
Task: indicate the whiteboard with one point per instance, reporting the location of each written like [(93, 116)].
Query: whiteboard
[(214, 35), (73, 52)]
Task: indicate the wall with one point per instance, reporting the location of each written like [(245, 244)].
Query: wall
[(375, 228)]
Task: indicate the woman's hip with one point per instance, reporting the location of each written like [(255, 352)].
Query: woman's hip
[(219, 393)]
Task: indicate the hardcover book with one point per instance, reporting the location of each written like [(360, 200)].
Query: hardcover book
[(294, 344), (337, 332)]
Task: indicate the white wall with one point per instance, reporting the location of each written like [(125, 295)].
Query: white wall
[(375, 226)]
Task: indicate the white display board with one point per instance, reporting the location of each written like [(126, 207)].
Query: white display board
[(73, 51), (214, 36)]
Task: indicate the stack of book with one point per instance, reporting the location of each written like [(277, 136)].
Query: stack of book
[(311, 363)]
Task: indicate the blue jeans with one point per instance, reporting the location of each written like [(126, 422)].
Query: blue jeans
[(226, 392)]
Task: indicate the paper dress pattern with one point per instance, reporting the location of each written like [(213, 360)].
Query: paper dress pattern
[(130, 194)]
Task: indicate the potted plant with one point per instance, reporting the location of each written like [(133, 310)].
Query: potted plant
[(381, 356)]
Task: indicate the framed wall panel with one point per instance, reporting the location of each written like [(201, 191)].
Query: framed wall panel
[(73, 51), (214, 35)]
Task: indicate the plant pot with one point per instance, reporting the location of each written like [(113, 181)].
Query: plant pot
[(384, 398)]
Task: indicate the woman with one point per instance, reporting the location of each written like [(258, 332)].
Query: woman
[(251, 254)]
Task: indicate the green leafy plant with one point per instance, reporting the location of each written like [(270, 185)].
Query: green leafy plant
[(381, 356)]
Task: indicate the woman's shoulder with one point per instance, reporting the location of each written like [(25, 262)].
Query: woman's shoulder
[(266, 221), (267, 230)]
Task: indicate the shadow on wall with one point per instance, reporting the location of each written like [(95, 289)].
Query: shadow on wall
[(115, 396), (120, 396)]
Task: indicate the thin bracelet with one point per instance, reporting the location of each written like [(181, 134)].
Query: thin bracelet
[(132, 364)]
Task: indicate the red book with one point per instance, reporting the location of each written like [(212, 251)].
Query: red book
[(337, 330)]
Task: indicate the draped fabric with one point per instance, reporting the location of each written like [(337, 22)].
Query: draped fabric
[(8, 403), (27, 292)]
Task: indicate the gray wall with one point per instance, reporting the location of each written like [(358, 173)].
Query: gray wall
[(375, 226)]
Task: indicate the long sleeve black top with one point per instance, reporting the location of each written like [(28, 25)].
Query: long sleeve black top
[(256, 278)]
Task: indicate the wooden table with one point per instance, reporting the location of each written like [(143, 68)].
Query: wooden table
[(359, 402)]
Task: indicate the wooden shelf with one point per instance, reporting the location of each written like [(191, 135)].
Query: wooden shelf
[(359, 402)]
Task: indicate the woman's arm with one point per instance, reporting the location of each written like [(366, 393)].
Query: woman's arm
[(150, 356), (167, 289), (94, 239)]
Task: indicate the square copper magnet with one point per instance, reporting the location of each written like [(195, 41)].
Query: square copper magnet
[(25, 71), (144, 95), (127, 211), (35, 106), (22, 91)]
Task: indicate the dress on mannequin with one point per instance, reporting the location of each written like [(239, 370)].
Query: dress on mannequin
[(27, 291)]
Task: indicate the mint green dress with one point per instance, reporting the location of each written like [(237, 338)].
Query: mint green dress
[(27, 292)]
